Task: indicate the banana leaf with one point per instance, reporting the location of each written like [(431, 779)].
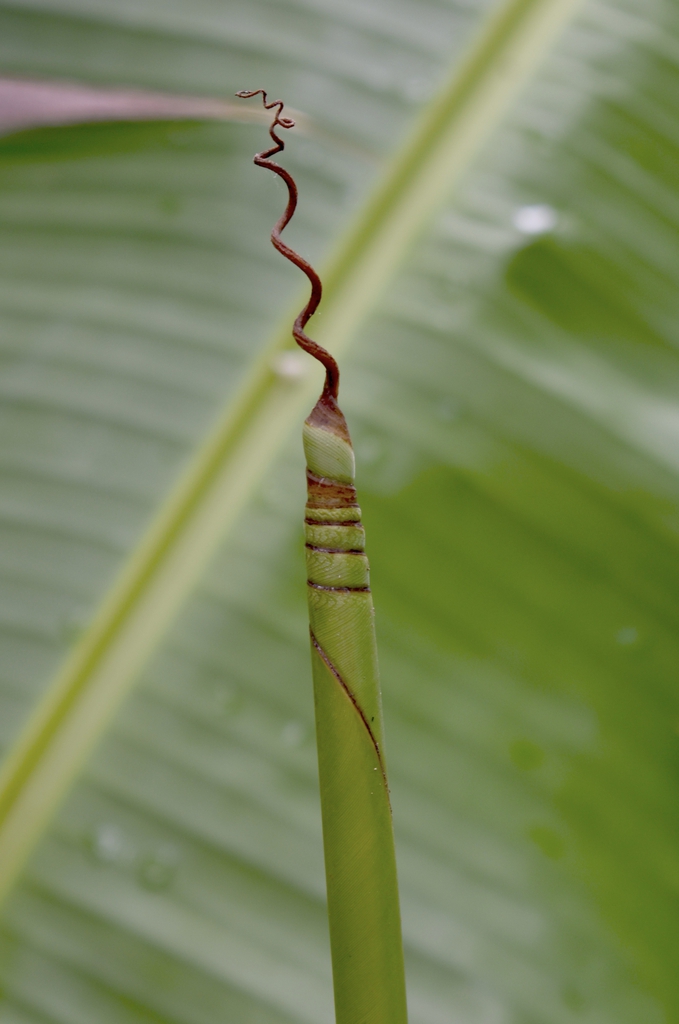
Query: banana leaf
[(510, 381)]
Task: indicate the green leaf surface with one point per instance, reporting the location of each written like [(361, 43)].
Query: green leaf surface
[(220, 477), (513, 405)]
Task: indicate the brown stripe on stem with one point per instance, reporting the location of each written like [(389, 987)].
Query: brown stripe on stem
[(325, 493), (324, 657), (341, 590), (334, 551), (334, 522)]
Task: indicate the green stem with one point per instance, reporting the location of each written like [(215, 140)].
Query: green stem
[(360, 863)]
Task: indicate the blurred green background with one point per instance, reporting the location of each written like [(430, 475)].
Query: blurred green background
[(513, 401)]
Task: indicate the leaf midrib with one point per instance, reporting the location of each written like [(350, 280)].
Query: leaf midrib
[(232, 460)]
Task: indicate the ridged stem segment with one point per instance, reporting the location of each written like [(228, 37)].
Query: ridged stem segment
[(363, 904)]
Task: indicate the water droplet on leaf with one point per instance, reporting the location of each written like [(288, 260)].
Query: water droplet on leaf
[(627, 635), (536, 219), (526, 755), (290, 365), (108, 843), (447, 411), (158, 869), (293, 733)]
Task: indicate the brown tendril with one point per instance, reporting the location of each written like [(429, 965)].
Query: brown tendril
[(264, 160)]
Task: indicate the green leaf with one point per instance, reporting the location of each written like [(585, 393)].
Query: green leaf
[(166, 563), (513, 406)]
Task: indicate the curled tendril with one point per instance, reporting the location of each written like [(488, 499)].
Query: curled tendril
[(264, 160)]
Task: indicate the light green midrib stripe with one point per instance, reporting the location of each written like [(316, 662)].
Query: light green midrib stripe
[(229, 465)]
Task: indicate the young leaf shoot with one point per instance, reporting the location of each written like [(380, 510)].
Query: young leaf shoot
[(363, 906)]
